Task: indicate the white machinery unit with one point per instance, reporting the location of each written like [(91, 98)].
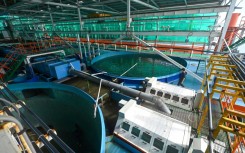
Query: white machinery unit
[(8, 142), (148, 131), (172, 94), (200, 145)]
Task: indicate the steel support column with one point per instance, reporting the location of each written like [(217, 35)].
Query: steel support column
[(79, 46), (88, 43), (128, 15), (227, 22), (81, 28), (24, 30), (51, 19)]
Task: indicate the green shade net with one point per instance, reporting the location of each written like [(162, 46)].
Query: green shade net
[(185, 22)]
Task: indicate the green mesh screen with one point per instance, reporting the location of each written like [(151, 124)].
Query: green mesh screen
[(185, 22)]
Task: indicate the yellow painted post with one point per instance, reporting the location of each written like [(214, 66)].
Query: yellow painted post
[(209, 76), (221, 122), (210, 61), (203, 81), (204, 114), (202, 120), (202, 98), (235, 98), (228, 129)]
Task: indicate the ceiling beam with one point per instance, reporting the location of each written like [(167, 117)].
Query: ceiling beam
[(75, 7), (4, 2), (2, 8), (130, 5), (46, 12), (97, 10), (191, 18), (142, 33), (103, 2), (26, 4), (185, 2), (171, 12), (145, 4), (111, 8), (155, 3), (214, 6)]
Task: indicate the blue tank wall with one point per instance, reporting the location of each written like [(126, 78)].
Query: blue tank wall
[(95, 127), (135, 82)]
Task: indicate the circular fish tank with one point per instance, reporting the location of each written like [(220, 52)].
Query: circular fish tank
[(133, 68), (68, 110)]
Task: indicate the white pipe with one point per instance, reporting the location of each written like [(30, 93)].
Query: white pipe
[(96, 105), (30, 56), (98, 73), (227, 46), (129, 69)]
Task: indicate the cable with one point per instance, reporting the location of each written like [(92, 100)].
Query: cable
[(189, 117), (21, 145), (10, 103)]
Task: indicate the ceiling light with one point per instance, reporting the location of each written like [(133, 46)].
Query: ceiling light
[(41, 10)]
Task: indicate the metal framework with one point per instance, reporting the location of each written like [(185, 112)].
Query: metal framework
[(140, 7), (138, 33), (229, 89)]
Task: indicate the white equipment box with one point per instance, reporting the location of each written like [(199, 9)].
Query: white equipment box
[(149, 131), (172, 94)]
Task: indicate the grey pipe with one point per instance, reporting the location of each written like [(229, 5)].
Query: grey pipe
[(12, 119), (128, 91), (83, 65), (14, 107), (210, 115)]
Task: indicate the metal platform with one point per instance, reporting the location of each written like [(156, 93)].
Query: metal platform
[(185, 116)]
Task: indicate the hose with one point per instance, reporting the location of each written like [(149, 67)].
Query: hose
[(10, 103), (83, 65)]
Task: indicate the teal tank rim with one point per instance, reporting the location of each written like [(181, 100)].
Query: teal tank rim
[(40, 85), (111, 54)]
